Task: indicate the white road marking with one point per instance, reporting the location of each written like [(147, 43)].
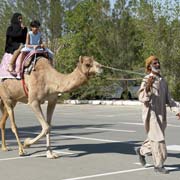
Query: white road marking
[(77, 137), (29, 132), (116, 115), (151, 165), (173, 125), (173, 147), (33, 156), (62, 152), (131, 123), (105, 115), (171, 168), (141, 124), (92, 139), (107, 129), (147, 165), (108, 174)]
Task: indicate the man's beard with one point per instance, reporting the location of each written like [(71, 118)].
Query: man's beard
[(156, 70)]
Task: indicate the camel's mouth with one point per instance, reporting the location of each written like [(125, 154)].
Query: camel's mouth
[(100, 70)]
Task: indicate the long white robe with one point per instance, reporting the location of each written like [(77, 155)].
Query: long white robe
[(154, 107)]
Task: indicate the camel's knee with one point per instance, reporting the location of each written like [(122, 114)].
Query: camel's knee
[(14, 129), (2, 125), (3, 122), (45, 130)]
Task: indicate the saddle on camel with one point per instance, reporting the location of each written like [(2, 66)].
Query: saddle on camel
[(43, 83)]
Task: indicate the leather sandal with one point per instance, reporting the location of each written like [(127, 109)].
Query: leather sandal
[(14, 73), (11, 70)]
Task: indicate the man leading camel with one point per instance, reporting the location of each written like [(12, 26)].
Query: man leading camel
[(154, 95)]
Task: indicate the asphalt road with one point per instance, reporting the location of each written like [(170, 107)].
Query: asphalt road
[(95, 142)]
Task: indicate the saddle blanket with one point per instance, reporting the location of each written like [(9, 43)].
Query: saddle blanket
[(4, 73)]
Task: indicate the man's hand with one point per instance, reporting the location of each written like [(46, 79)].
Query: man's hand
[(178, 115), (150, 82)]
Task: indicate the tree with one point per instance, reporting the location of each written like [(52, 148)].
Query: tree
[(49, 13), (5, 17), (121, 37)]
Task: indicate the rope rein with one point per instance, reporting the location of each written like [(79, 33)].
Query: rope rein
[(122, 70)]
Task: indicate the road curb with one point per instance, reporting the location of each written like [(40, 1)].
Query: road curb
[(104, 102)]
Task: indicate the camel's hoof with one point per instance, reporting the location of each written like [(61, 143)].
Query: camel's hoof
[(27, 143), (22, 153), (51, 155), (5, 149)]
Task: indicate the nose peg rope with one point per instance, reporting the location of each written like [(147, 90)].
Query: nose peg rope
[(122, 70)]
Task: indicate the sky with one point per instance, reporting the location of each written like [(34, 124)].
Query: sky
[(112, 2)]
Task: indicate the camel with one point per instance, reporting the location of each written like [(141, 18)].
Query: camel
[(43, 84)]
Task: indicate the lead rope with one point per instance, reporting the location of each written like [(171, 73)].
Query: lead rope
[(122, 70)]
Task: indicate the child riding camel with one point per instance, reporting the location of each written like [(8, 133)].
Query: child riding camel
[(33, 42)]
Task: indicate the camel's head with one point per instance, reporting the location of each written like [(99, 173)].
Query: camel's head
[(89, 66)]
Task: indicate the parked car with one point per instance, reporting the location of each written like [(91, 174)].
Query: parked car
[(134, 91), (131, 87), (121, 89), (113, 91)]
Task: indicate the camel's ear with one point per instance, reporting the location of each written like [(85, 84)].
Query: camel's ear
[(80, 59), (92, 57)]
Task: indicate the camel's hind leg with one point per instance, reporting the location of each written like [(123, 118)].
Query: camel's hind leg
[(2, 126), (14, 128)]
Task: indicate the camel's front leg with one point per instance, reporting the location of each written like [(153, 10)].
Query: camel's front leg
[(14, 129), (35, 105), (50, 109), (2, 126)]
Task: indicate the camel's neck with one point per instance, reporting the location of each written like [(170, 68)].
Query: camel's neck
[(68, 82)]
